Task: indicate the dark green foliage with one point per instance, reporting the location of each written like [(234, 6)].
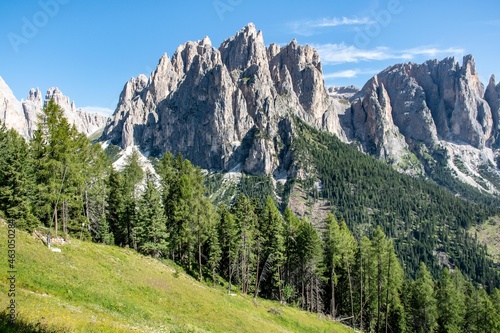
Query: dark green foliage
[(151, 228), (271, 247), (21, 326), (349, 271), (450, 296), (422, 309), (17, 182), (70, 174), (421, 216)]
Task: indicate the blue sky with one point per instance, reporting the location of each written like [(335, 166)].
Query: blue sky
[(90, 49)]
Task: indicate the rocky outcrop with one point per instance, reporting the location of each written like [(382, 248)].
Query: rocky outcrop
[(429, 102), (225, 107), (436, 105), (492, 96), (86, 123), (32, 107), (11, 110), (23, 116), (343, 93), (373, 123)]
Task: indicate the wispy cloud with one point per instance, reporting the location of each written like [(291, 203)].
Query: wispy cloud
[(312, 27), (332, 54), (97, 109), (430, 52), (350, 73), (334, 22)]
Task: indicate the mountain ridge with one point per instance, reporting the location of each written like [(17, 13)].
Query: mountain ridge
[(226, 107), (230, 108), (23, 115)]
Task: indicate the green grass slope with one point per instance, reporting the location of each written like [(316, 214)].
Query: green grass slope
[(95, 288)]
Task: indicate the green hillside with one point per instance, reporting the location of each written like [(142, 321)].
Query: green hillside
[(90, 287)]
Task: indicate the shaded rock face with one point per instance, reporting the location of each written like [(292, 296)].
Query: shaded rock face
[(437, 100), (227, 107), (23, 116), (492, 96)]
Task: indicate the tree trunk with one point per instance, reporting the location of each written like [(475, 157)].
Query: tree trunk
[(332, 301), (280, 294), (303, 294), (200, 277), (64, 214), (318, 300), (230, 273), (361, 324), (379, 290), (256, 293), (243, 266), (387, 295), (350, 294), (55, 220)]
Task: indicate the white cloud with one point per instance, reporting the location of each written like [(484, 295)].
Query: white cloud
[(332, 54), (97, 109), (349, 73), (334, 22), (312, 27), (341, 53)]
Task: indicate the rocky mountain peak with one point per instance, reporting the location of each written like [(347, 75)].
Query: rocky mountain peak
[(245, 49), (63, 101), (444, 99), (469, 65), (11, 112), (224, 108), (35, 96), (23, 116)]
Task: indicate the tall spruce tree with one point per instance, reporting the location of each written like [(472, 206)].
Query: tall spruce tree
[(309, 253), (151, 227), (271, 231), (17, 182), (333, 247), (422, 310), (450, 296), (246, 220), (229, 243)]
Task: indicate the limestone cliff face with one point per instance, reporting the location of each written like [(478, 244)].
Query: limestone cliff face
[(225, 107), (436, 105), (492, 96), (438, 100), (23, 116), (86, 123)]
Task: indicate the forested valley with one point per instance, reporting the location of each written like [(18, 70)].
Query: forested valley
[(371, 266)]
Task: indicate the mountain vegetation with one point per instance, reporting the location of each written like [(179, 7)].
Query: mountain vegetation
[(371, 263)]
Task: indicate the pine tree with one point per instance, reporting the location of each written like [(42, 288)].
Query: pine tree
[(116, 208), (132, 177), (423, 306), (16, 180), (451, 300), (271, 231), (229, 243), (309, 253), (51, 147), (151, 230), (290, 229), (349, 247), (332, 240), (246, 220)]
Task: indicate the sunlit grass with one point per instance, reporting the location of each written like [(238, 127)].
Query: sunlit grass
[(97, 288)]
